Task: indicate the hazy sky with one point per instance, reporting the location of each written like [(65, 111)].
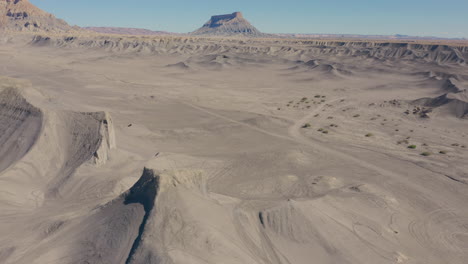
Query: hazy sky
[(447, 18)]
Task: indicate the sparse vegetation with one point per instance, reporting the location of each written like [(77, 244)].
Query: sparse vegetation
[(403, 142), (443, 152), (357, 115), (425, 154), (369, 135), (307, 125), (325, 131), (412, 146)]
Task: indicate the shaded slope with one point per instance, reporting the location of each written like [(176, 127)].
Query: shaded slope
[(20, 126), (455, 104), (143, 192), (41, 149)]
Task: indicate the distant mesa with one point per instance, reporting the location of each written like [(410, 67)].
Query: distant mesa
[(21, 15), (228, 25), (128, 31)]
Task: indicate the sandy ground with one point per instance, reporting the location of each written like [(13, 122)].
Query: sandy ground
[(129, 157)]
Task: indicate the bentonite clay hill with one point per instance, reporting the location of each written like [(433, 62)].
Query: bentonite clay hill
[(205, 150), (228, 25), (21, 15)]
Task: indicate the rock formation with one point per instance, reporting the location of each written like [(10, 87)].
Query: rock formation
[(228, 25), (21, 15)]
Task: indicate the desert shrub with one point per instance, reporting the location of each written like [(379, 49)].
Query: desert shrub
[(325, 131), (443, 152), (369, 135), (412, 146), (320, 129), (357, 115), (399, 142), (425, 154), (307, 125)]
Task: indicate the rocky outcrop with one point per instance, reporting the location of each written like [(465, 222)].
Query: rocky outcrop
[(228, 25), (454, 104), (21, 15), (291, 49), (106, 131)]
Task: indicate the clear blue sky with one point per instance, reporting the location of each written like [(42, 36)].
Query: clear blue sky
[(447, 18)]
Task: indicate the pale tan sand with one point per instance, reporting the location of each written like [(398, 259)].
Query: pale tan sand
[(233, 174)]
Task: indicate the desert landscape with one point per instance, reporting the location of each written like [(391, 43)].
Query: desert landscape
[(214, 148)]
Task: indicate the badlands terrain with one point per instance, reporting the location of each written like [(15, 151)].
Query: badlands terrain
[(189, 149)]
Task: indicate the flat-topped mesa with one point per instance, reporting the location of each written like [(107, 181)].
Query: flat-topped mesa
[(21, 15), (227, 17), (228, 25)]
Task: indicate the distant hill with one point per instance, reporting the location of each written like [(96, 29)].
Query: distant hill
[(127, 31), (357, 36), (228, 25), (21, 15)]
